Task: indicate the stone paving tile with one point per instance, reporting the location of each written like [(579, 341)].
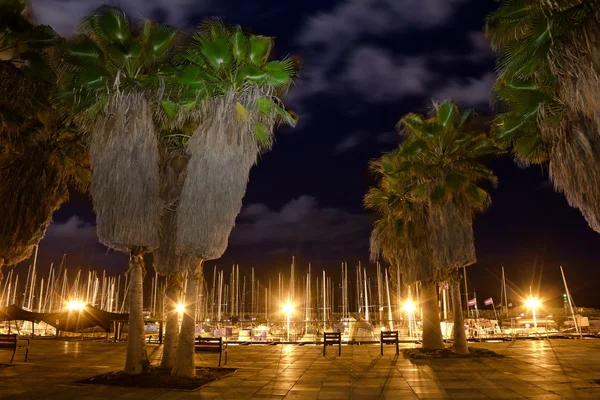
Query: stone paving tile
[(544, 370)]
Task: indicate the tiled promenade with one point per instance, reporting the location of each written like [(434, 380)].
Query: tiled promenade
[(532, 369)]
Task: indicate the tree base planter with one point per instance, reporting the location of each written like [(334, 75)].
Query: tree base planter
[(424, 354), (161, 378)]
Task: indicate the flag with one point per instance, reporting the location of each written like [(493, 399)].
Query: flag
[(472, 302), (488, 302)]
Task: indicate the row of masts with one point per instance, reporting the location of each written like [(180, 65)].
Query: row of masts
[(313, 296), (52, 293)]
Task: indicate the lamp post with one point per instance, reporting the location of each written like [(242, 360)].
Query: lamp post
[(533, 303), (288, 308)]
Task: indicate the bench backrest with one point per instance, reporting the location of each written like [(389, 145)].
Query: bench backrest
[(389, 335), (209, 341), (332, 336), (9, 339)]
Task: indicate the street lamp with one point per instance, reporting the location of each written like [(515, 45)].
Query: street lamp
[(180, 308), (533, 303), (75, 305), (288, 308), (409, 307)]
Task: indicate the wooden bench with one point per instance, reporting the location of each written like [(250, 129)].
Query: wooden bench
[(13, 342), (331, 339), (212, 345), (389, 337)]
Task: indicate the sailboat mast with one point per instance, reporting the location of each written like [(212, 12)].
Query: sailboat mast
[(570, 302)]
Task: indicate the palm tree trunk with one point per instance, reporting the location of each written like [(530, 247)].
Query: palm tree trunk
[(432, 332), (137, 359), (458, 332), (184, 357), (171, 331)]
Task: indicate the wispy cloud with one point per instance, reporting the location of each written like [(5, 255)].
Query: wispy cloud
[(299, 224), (64, 15), (470, 92)]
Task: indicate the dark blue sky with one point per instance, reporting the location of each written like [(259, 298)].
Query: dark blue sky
[(365, 64)]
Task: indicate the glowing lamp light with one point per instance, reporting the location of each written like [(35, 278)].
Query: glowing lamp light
[(180, 308), (288, 308), (409, 306), (75, 305), (532, 303)]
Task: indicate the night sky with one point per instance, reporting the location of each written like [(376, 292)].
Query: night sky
[(365, 63)]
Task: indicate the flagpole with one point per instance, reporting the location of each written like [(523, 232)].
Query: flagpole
[(505, 294), (466, 291)]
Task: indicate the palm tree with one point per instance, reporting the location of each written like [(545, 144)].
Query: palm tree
[(402, 237), (40, 154), (114, 84), (438, 168), (549, 92), (230, 97), (166, 260), (443, 160)]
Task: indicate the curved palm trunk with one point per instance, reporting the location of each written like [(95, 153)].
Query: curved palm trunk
[(184, 356), (432, 332), (171, 331), (137, 359), (458, 332)]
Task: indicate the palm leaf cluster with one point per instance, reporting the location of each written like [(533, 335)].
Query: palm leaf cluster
[(230, 89), (428, 191), (114, 78), (41, 154), (548, 92)]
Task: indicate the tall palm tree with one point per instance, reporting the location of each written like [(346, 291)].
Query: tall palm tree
[(114, 84), (230, 96), (402, 236), (40, 154), (443, 157), (549, 92), (438, 167)]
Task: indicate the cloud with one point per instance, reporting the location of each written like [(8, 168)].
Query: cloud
[(470, 92), (380, 77), (73, 228), (353, 18), (64, 15), (78, 240), (300, 223), (350, 142), (328, 37)]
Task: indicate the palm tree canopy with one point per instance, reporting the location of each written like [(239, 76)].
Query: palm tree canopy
[(27, 75), (41, 156), (114, 82), (549, 92), (230, 92), (428, 192)]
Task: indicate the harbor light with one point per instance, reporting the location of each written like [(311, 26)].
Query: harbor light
[(75, 305), (180, 308), (409, 306), (533, 303), (288, 308)]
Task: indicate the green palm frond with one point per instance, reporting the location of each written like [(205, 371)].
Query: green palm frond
[(428, 191), (223, 61)]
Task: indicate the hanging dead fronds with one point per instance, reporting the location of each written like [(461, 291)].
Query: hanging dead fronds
[(125, 164), (574, 168), (222, 150)]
